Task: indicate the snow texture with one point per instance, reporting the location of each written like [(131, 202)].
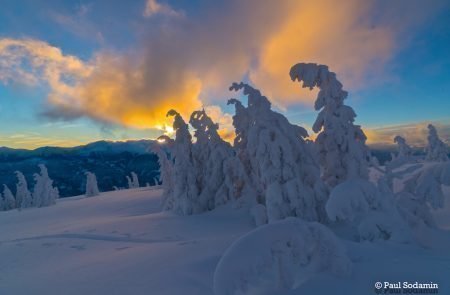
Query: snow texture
[(369, 210), (341, 144), (278, 257)]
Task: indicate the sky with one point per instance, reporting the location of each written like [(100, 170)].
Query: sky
[(73, 72)]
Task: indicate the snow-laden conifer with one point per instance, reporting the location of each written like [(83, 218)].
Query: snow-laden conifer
[(341, 143), (91, 185), (185, 192), (212, 156), (279, 163), (44, 194), (10, 201), (23, 195), (436, 150)]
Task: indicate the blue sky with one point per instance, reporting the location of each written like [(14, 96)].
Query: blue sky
[(135, 59)]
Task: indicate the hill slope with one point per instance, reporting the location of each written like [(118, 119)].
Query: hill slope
[(120, 243)]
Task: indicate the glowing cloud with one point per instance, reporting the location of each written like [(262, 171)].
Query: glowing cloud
[(186, 61)]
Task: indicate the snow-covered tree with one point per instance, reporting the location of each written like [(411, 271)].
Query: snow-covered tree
[(278, 160), (436, 150), (212, 157), (23, 195), (10, 201), (163, 151), (133, 181), (342, 149), (404, 155), (185, 193), (423, 191), (404, 150), (44, 194), (91, 185)]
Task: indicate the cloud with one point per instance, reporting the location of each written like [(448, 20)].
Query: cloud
[(188, 62), (225, 121), (78, 23), (152, 7), (415, 134)]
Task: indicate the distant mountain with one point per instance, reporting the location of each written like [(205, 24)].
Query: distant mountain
[(110, 161)]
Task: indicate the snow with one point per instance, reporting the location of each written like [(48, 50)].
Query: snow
[(279, 256), (342, 148), (120, 243)]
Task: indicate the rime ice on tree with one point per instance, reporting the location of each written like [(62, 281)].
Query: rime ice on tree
[(91, 185), (23, 195), (211, 155), (9, 200), (404, 150), (277, 159), (341, 144), (184, 196), (44, 194), (163, 151), (133, 181), (436, 149)]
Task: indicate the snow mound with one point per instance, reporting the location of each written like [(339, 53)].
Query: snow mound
[(279, 256), (351, 199), (370, 211)]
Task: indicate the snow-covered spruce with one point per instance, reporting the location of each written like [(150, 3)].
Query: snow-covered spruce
[(436, 150), (370, 212), (184, 194), (23, 195), (279, 257), (277, 160), (10, 201), (91, 185), (404, 150), (217, 168), (44, 194), (163, 151), (133, 181), (404, 155), (341, 144)]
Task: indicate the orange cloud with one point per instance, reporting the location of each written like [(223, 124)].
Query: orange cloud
[(189, 62), (339, 35)]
